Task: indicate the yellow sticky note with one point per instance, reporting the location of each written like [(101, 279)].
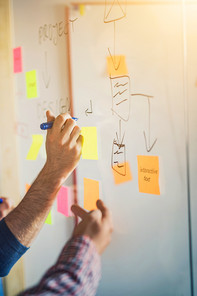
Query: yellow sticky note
[(82, 9), (31, 84), (27, 186), (49, 219), (148, 174), (91, 194), (35, 147), (89, 149), (122, 173), (116, 66)]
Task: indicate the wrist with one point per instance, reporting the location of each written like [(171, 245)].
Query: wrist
[(47, 183), (55, 173), (50, 180)]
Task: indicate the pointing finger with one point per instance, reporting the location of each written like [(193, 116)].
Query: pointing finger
[(50, 116), (60, 122), (104, 210), (78, 211)]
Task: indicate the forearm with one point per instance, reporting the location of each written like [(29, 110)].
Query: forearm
[(26, 220), (77, 271)]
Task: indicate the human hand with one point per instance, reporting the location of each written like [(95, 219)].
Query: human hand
[(5, 207), (63, 146), (96, 224)]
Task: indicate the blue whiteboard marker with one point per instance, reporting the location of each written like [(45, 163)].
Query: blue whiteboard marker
[(47, 125)]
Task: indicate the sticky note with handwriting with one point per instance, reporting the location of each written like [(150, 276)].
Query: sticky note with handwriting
[(121, 173), (148, 174), (91, 194), (116, 66), (17, 55), (37, 141), (89, 149), (31, 84), (49, 219), (65, 201)]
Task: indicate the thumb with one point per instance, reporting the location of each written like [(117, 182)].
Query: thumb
[(50, 116)]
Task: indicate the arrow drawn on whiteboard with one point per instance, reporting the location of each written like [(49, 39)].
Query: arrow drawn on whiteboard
[(149, 147), (113, 57), (45, 75), (87, 110)]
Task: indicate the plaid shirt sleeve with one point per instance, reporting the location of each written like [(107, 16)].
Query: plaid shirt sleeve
[(77, 271)]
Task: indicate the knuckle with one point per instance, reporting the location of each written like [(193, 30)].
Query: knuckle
[(60, 117), (79, 147), (77, 129), (69, 146), (70, 121), (75, 150)]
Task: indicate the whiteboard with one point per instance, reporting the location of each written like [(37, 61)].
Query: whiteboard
[(41, 33), (149, 253)]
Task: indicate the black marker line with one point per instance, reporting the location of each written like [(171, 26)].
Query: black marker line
[(120, 93), (119, 84), (121, 102)]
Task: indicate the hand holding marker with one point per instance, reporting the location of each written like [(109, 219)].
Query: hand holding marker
[(47, 125)]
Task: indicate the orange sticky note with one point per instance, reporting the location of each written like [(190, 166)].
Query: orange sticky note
[(91, 194), (116, 66), (27, 186), (122, 173), (148, 174)]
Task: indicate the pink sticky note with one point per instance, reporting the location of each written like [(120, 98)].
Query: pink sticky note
[(65, 201), (17, 54)]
